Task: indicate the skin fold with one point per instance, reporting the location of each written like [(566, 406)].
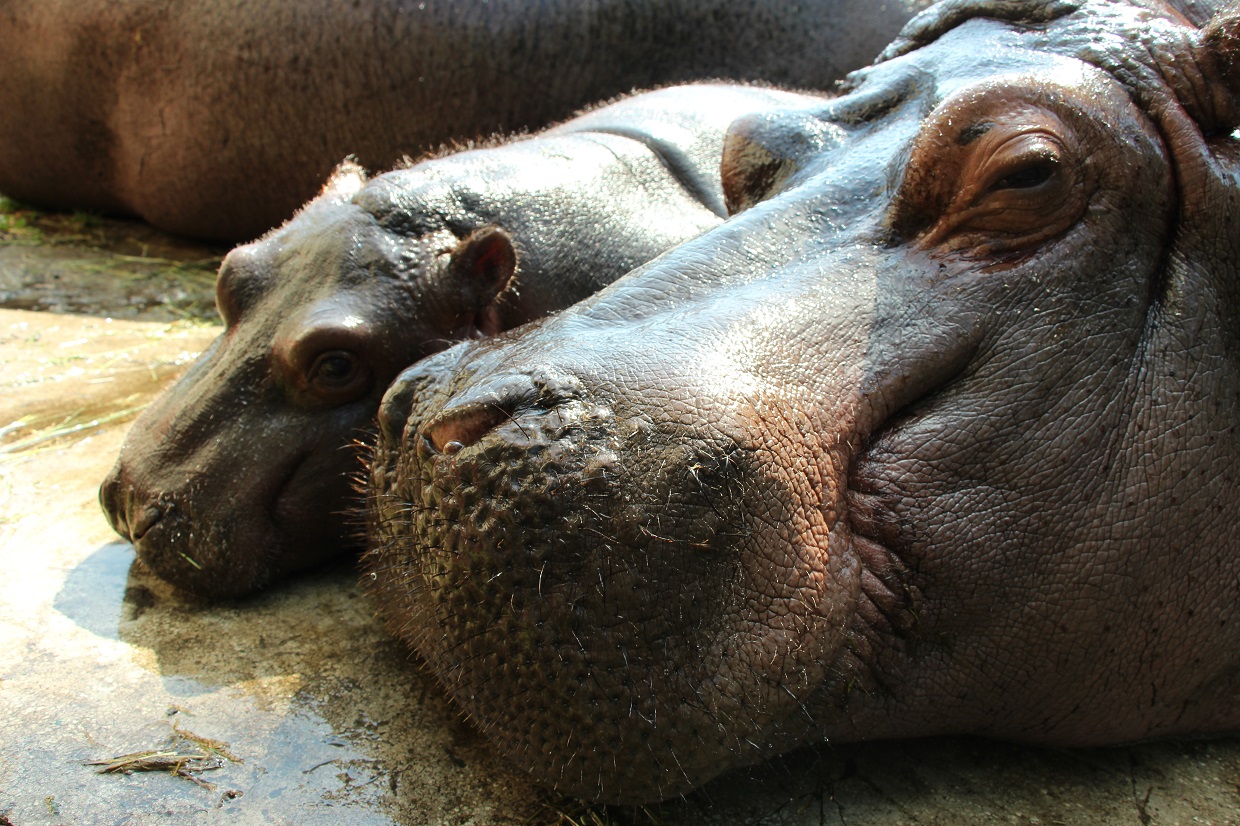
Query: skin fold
[(218, 119), (243, 472), (936, 434)]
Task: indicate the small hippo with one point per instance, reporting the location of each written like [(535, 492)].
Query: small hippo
[(218, 119), (937, 434), (241, 473)]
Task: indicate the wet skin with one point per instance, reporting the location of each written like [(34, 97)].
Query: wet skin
[(215, 119), (243, 472), (936, 434)]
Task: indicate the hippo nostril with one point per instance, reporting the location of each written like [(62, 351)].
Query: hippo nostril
[(149, 518), (415, 383), (457, 428), (471, 415), (109, 499)]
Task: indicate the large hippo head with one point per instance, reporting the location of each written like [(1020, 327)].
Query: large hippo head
[(937, 434)]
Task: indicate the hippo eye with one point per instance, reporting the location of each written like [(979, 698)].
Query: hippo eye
[(334, 370), (327, 364), (1020, 166), (1017, 189), (1028, 177)]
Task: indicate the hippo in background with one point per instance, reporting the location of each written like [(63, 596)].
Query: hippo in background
[(241, 472), (937, 434), (218, 119)]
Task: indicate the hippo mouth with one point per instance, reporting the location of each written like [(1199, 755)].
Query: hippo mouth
[(175, 541)]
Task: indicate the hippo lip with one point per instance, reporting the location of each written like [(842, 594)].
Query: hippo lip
[(129, 515), (175, 541), (277, 500), (278, 492), (148, 519)]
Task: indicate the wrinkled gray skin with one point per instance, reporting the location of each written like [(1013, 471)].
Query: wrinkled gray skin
[(938, 434), (218, 119), (242, 472)]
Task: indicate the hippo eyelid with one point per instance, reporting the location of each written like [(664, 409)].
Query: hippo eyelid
[(1017, 155)]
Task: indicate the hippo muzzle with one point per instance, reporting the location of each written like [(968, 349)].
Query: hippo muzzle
[(927, 439), (649, 540)]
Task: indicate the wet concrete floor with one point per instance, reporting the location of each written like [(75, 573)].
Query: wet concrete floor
[(296, 707)]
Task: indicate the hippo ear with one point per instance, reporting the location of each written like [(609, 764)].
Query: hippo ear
[(347, 178), (483, 265)]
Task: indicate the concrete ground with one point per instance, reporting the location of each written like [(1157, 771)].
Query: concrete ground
[(296, 707)]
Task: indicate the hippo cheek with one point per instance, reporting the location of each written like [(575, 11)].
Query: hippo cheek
[(317, 511)]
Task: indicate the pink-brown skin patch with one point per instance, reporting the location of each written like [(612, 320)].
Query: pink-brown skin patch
[(936, 435)]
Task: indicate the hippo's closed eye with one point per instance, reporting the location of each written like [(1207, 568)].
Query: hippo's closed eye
[(1024, 160), (1036, 171), (992, 178)]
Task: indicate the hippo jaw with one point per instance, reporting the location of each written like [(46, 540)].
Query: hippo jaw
[(904, 530)]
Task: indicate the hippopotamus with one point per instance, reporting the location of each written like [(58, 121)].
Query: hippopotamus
[(216, 119), (241, 472), (937, 433)]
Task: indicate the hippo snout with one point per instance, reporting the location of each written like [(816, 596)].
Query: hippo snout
[(549, 552), (168, 538)]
